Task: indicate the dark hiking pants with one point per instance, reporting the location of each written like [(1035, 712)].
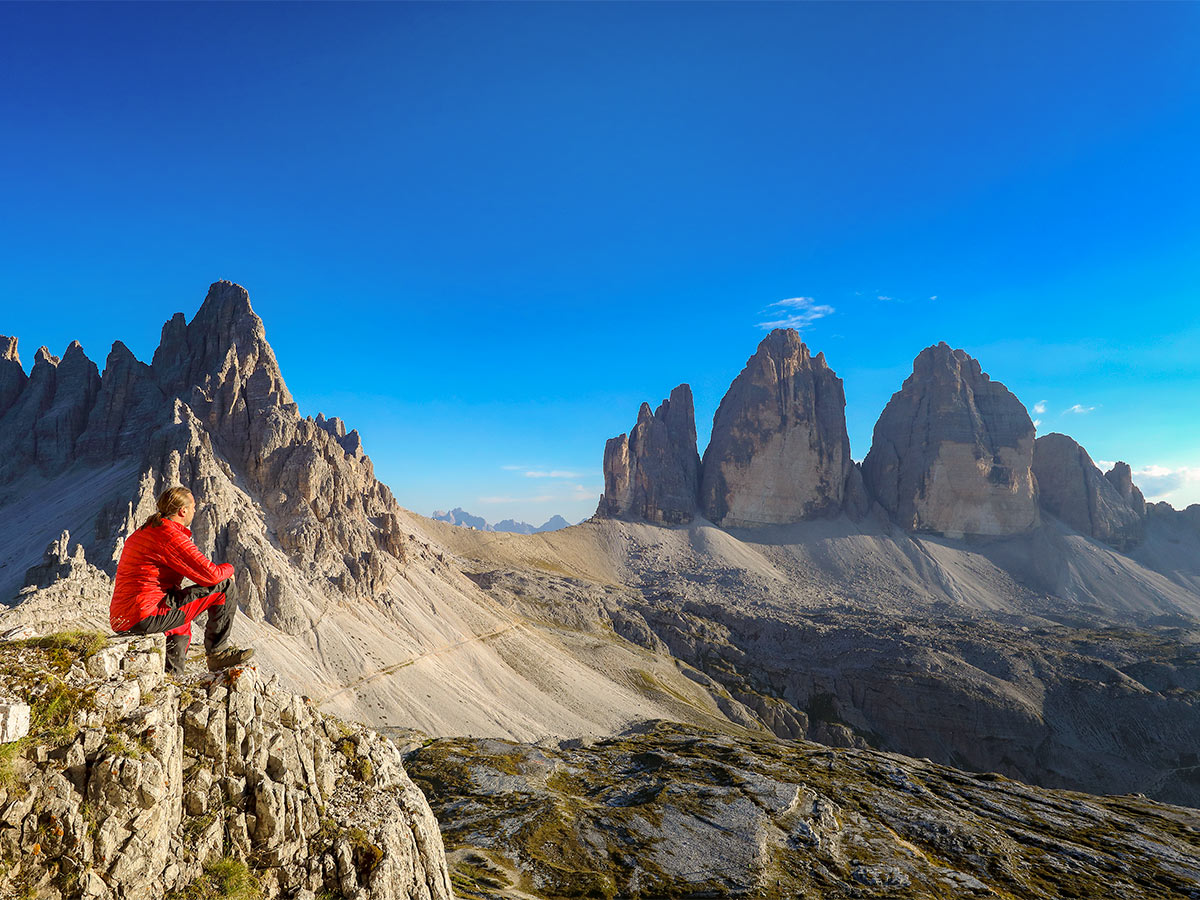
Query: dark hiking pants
[(175, 614)]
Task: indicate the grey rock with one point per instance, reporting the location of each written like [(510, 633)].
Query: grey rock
[(211, 413), (76, 384), (664, 811), (1072, 489), (14, 721), (12, 373), (856, 501), (144, 825), (128, 407), (653, 473), (779, 451), (952, 452), (1120, 476), (18, 428)]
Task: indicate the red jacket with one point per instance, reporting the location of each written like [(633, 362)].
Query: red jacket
[(154, 561)]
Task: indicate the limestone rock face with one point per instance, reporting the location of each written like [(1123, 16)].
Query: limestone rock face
[(12, 373), (653, 473), (722, 816), (160, 779), (779, 451), (1072, 489), (1121, 477), (76, 384), (291, 501), (129, 406), (953, 451)]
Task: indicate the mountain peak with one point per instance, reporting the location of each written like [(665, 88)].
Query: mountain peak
[(952, 451), (779, 451), (653, 473)]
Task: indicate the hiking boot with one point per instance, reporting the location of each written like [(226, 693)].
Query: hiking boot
[(224, 659)]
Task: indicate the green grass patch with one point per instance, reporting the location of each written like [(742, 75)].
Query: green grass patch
[(223, 879), (64, 647), (56, 704)]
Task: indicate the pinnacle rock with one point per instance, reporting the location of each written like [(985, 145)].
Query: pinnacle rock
[(1120, 476), (653, 473), (779, 452), (12, 373), (1072, 489), (952, 452)]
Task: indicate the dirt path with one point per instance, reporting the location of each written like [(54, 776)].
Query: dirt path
[(395, 667)]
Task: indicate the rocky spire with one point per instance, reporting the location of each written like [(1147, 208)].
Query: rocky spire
[(1120, 476), (12, 373), (44, 420), (220, 363), (654, 472), (779, 451), (953, 450), (1071, 488), (76, 384), (129, 406)]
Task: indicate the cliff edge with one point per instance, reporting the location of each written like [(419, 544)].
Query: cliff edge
[(117, 782)]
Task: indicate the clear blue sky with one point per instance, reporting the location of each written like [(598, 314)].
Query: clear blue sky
[(482, 234)]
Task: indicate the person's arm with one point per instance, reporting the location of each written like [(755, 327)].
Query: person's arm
[(182, 555)]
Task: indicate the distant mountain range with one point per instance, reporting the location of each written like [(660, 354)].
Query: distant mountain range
[(459, 516)]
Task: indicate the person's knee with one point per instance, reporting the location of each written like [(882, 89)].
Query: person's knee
[(225, 586)]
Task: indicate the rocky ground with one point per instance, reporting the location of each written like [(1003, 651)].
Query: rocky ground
[(665, 811), (921, 646), (129, 784)]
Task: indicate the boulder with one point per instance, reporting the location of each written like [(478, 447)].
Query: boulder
[(14, 722), (952, 452), (1071, 488), (779, 451), (653, 473)]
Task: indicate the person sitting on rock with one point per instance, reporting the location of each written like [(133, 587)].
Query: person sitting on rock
[(147, 597)]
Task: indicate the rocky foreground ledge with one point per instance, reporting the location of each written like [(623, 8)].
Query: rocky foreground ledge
[(132, 785), (665, 811)]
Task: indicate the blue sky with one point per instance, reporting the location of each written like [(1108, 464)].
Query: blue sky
[(482, 234)]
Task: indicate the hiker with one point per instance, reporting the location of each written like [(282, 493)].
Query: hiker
[(147, 598)]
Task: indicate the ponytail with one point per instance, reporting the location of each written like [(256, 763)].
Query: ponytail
[(170, 501)]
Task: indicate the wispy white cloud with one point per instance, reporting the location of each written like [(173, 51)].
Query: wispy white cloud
[(1037, 423), (1162, 482), (934, 297), (795, 312), (581, 492), (884, 298), (1039, 407), (553, 473), (1078, 410)]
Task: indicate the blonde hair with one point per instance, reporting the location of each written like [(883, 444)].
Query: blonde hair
[(170, 501)]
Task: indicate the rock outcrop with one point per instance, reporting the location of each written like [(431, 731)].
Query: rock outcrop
[(952, 452), (1071, 488), (12, 373), (292, 502), (661, 811), (779, 451), (134, 786), (653, 473), (1120, 476)]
